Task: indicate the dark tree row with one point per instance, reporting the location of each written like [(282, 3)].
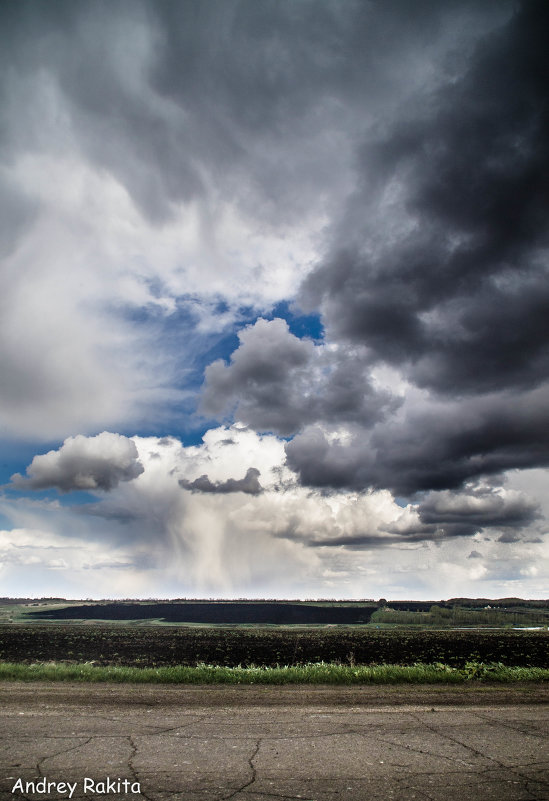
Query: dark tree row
[(217, 612)]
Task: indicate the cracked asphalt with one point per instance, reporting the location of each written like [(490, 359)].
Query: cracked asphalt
[(267, 743)]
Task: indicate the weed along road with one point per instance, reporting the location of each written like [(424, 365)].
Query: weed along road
[(198, 743)]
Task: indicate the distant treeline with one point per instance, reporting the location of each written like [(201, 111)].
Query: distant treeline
[(499, 603), (410, 605), (439, 615), (18, 601), (414, 606), (467, 603), (216, 612)]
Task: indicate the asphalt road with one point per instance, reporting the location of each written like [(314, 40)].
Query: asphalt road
[(249, 743)]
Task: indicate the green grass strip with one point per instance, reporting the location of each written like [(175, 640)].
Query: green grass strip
[(317, 673)]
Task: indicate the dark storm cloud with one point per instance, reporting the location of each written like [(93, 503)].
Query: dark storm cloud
[(359, 542), (441, 264), (278, 382), (84, 463), (405, 539), (439, 445), (509, 537), (464, 514), (480, 509), (249, 484), (170, 96), (439, 267)]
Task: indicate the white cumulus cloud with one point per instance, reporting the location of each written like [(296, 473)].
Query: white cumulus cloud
[(84, 463)]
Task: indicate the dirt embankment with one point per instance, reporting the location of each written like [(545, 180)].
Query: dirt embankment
[(81, 695)]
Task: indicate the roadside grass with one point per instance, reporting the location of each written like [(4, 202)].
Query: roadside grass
[(314, 673)]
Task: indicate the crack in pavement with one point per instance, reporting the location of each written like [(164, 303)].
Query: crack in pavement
[(181, 726), (362, 732), (514, 770), (131, 767), (458, 774), (471, 748), (253, 777), (496, 722), (420, 751), (59, 753), (257, 737), (475, 779)]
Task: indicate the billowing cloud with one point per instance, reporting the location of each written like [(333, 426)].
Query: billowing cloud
[(278, 382), (426, 276), (429, 444), (439, 268), (84, 463), (447, 514), (305, 542), (480, 508), (172, 210), (446, 274), (249, 484), (442, 516)]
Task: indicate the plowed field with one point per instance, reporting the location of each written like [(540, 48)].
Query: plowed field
[(151, 646)]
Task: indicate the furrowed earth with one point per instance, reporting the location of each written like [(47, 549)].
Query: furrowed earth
[(166, 646)]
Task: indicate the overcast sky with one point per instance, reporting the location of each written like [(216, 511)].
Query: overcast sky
[(274, 304)]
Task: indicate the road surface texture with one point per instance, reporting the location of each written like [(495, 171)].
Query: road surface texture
[(269, 743)]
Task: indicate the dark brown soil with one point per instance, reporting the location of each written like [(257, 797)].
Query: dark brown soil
[(163, 646), (187, 696)]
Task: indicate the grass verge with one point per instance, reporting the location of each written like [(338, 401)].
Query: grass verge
[(317, 673)]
